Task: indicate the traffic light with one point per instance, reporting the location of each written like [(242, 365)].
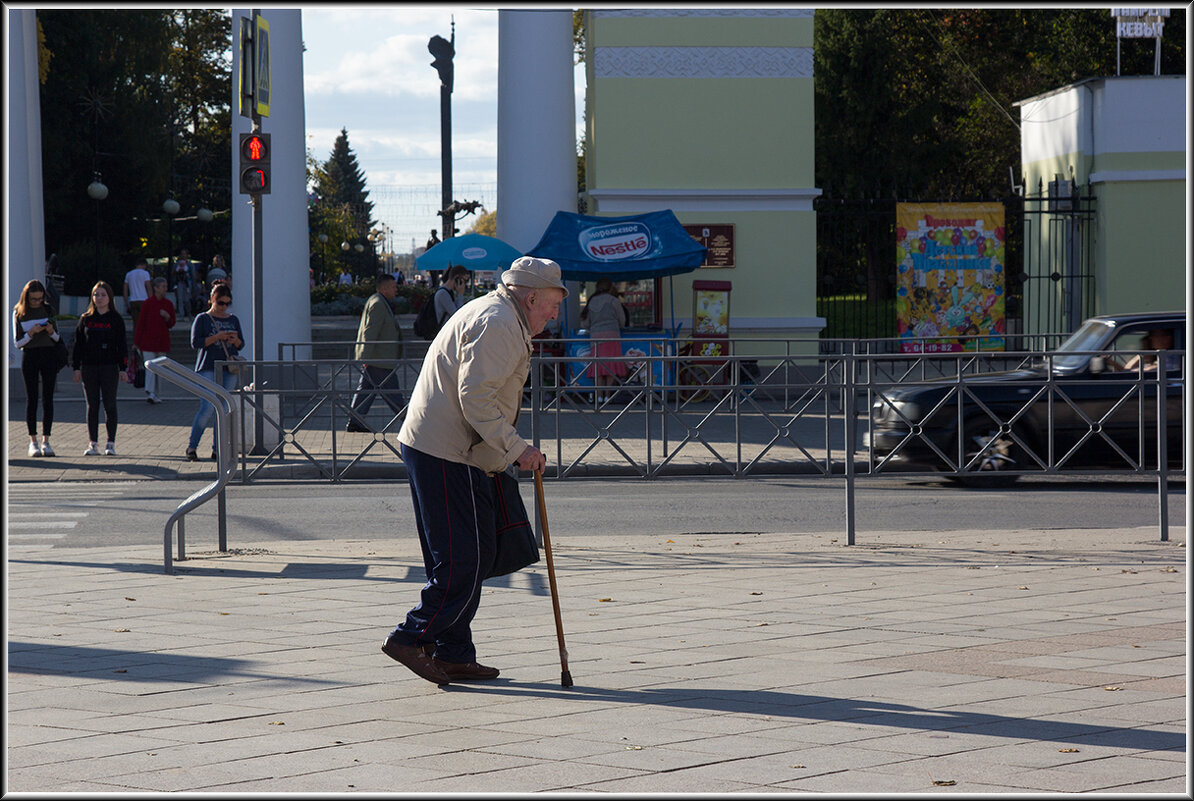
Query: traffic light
[(254, 164)]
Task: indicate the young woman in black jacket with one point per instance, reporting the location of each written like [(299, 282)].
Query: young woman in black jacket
[(100, 357), (36, 334)]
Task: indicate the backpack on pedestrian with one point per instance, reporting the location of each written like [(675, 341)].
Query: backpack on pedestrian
[(427, 323)]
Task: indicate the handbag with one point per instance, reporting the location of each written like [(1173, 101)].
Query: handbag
[(515, 547), (231, 357), (61, 352), (137, 366)]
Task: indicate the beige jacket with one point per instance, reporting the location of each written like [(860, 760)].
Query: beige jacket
[(465, 404)]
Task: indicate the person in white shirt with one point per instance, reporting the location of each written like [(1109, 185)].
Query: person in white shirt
[(137, 289)]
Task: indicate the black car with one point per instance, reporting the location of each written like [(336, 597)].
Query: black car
[(1099, 386)]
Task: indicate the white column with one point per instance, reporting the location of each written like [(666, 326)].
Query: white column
[(536, 120), (286, 294), (22, 164)]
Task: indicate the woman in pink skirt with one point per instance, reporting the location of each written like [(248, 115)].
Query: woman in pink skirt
[(604, 316)]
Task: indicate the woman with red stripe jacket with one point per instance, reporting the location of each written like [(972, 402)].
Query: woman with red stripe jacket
[(100, 357)]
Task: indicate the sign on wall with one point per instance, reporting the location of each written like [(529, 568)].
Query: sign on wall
[(718, 241), (950, 276)]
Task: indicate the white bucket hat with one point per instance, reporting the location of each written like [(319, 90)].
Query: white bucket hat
[(535, 273)]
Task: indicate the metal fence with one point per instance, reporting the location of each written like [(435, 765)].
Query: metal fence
[(768, 407)]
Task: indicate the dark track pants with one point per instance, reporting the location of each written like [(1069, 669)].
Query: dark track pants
[(39, 368), (454, 515), (100, 381), (376, 382)]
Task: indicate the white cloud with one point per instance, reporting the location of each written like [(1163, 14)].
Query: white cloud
[(367, 69)]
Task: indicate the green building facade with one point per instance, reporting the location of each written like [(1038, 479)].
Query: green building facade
[(709, 113), (1121, 141)]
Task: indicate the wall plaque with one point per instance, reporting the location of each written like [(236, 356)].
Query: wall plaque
[(719, 241)]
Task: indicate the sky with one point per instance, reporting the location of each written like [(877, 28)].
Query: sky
[(367, 69)]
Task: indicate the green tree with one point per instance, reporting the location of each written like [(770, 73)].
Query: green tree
[(341, 209), (201, 125), (111, 87), (485, 224), (918, 102)]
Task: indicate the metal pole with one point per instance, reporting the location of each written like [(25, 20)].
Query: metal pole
[(1162, 450), (1073, 295), (445, 146), (222, 513), (258, 300), (851, 404)]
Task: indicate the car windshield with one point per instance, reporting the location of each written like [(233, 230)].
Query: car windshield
[(1089, 337)]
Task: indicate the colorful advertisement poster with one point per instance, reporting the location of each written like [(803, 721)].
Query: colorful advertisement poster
[(712, 313), (950, 288)]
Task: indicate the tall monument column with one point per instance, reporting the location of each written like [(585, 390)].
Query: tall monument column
[(536, 120), (286, 292), (26, 219)]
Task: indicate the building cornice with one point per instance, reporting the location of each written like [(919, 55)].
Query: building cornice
[(723, 200)]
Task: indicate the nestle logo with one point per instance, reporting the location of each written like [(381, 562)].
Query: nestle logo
[(616, 242)]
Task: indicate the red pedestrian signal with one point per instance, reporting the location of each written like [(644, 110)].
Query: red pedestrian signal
[(254, 164), (254, 148)]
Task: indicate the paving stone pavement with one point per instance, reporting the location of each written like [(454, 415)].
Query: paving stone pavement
[(1037, 661), (750, 663)]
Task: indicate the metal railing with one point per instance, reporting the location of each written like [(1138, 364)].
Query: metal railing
[(769, 407), (225, 446)]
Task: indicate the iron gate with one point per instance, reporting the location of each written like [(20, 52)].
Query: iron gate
[(1049, 276)]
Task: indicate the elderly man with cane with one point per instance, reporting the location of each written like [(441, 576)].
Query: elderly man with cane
[(459, 429)]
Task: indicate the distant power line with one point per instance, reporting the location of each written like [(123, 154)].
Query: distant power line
[(410, 209)]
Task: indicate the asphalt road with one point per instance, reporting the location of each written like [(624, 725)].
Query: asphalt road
[(82, 514)]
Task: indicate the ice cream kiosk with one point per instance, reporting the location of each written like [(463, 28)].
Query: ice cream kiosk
[(635, 252)]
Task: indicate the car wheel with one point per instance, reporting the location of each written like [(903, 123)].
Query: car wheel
[(992, 452)]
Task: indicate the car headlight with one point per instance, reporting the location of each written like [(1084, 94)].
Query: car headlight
[(890, 411)]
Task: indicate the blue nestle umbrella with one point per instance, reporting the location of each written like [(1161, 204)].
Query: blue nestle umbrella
[(631, 248), (628, 248), (472, 251)]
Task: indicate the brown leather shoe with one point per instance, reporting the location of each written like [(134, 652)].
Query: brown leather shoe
[(417, 660), (466, 670)]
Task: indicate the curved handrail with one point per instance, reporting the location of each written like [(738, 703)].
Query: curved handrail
[(189, 380)]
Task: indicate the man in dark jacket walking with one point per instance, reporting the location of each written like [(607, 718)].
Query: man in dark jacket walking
[(379, 339)]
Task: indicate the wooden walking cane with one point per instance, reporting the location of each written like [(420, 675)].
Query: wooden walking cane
[(565, 676)]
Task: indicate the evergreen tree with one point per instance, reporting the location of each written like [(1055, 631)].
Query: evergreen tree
[(342, 182), (340, 208)]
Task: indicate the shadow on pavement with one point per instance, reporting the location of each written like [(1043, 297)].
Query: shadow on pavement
[(874, 713), (302, 570), (121, 665), (110, 467)]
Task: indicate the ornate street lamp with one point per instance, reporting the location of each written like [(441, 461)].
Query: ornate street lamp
[(205, 216), (97, 192), (170, 207), (96, 189)]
